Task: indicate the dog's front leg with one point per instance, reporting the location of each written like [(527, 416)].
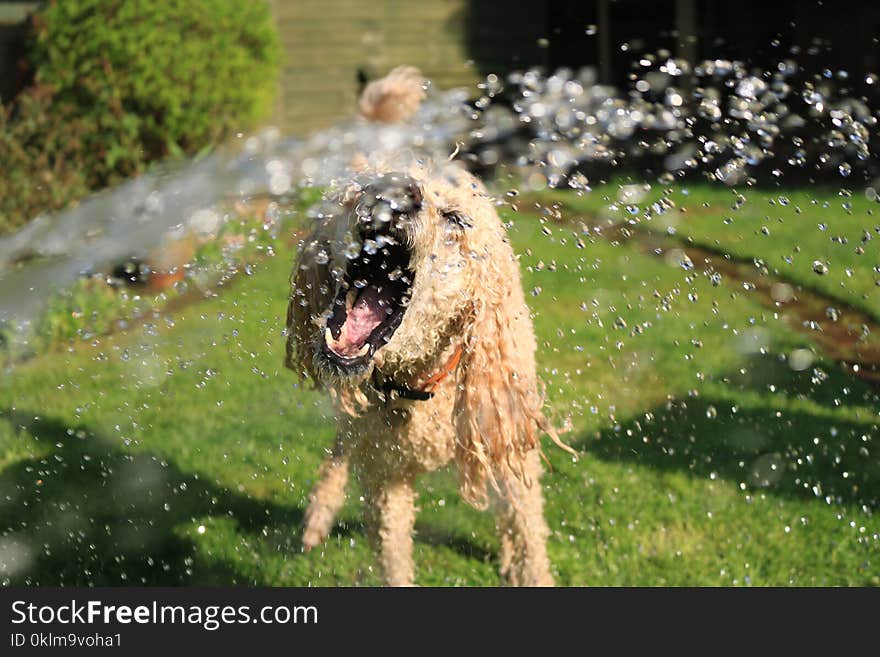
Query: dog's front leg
[(523, 530), (327, 497), (391, 513)]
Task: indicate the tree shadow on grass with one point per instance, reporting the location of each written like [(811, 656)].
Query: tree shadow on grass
[(789, 452), (92, 514)]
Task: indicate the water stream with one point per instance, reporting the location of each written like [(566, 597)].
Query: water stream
[(719, 118)]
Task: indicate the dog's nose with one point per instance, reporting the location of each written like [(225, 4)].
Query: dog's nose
[(389, 203)]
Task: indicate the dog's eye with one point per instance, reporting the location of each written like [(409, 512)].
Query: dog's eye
[(458, 219)]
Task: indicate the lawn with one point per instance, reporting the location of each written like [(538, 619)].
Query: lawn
[(823, 239), (182, 452)]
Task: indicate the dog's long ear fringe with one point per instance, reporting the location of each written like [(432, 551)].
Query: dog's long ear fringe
[(306, 295), (498, 406)]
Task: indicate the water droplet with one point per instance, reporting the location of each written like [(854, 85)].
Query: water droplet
[(352, 250)]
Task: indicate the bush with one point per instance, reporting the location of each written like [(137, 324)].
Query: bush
[(42, 157), (144, 80), (171, 76)]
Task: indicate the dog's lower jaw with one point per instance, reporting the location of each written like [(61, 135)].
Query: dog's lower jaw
[(330, 372)]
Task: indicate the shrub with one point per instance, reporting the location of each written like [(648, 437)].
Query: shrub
[(171, 76), (42, 157), (141, 81)]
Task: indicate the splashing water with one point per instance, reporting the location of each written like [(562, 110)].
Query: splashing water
[(130, 220), (719, 117)]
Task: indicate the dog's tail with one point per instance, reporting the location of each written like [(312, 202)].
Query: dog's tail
[(394, 98)]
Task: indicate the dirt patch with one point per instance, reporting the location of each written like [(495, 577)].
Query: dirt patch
[(846, 334)]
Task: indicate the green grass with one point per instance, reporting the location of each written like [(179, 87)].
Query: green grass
[(182, 452), (91, 308), (786, 230)]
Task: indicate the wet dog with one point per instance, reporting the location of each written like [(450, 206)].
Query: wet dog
[(407, 307)]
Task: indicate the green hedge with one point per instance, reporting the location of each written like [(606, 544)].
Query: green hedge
[(43, 157), (147, 80)]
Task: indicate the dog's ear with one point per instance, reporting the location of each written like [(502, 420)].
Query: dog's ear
[(498, 407), (309, 294)]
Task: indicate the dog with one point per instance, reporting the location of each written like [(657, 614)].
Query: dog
[(406, 305)]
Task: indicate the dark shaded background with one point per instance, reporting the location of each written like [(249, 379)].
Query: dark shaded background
[(505, 35)]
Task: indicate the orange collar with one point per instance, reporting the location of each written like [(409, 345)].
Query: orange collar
[(426, 391), (434, 380)]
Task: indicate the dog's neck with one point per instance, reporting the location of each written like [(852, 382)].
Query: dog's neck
[(422, 391)]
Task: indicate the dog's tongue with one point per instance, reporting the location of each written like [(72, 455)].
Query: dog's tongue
[(360, 321)]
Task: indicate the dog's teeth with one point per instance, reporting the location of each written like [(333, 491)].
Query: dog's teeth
[(364, 350), (350, 298), (328, 335)]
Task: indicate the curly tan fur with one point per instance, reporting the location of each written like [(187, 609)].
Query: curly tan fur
[(486, 415)]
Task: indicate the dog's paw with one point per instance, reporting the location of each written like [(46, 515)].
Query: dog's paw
[(311, 538), (318, 523)]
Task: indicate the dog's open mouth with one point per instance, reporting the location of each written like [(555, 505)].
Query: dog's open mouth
[(370, 303)]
